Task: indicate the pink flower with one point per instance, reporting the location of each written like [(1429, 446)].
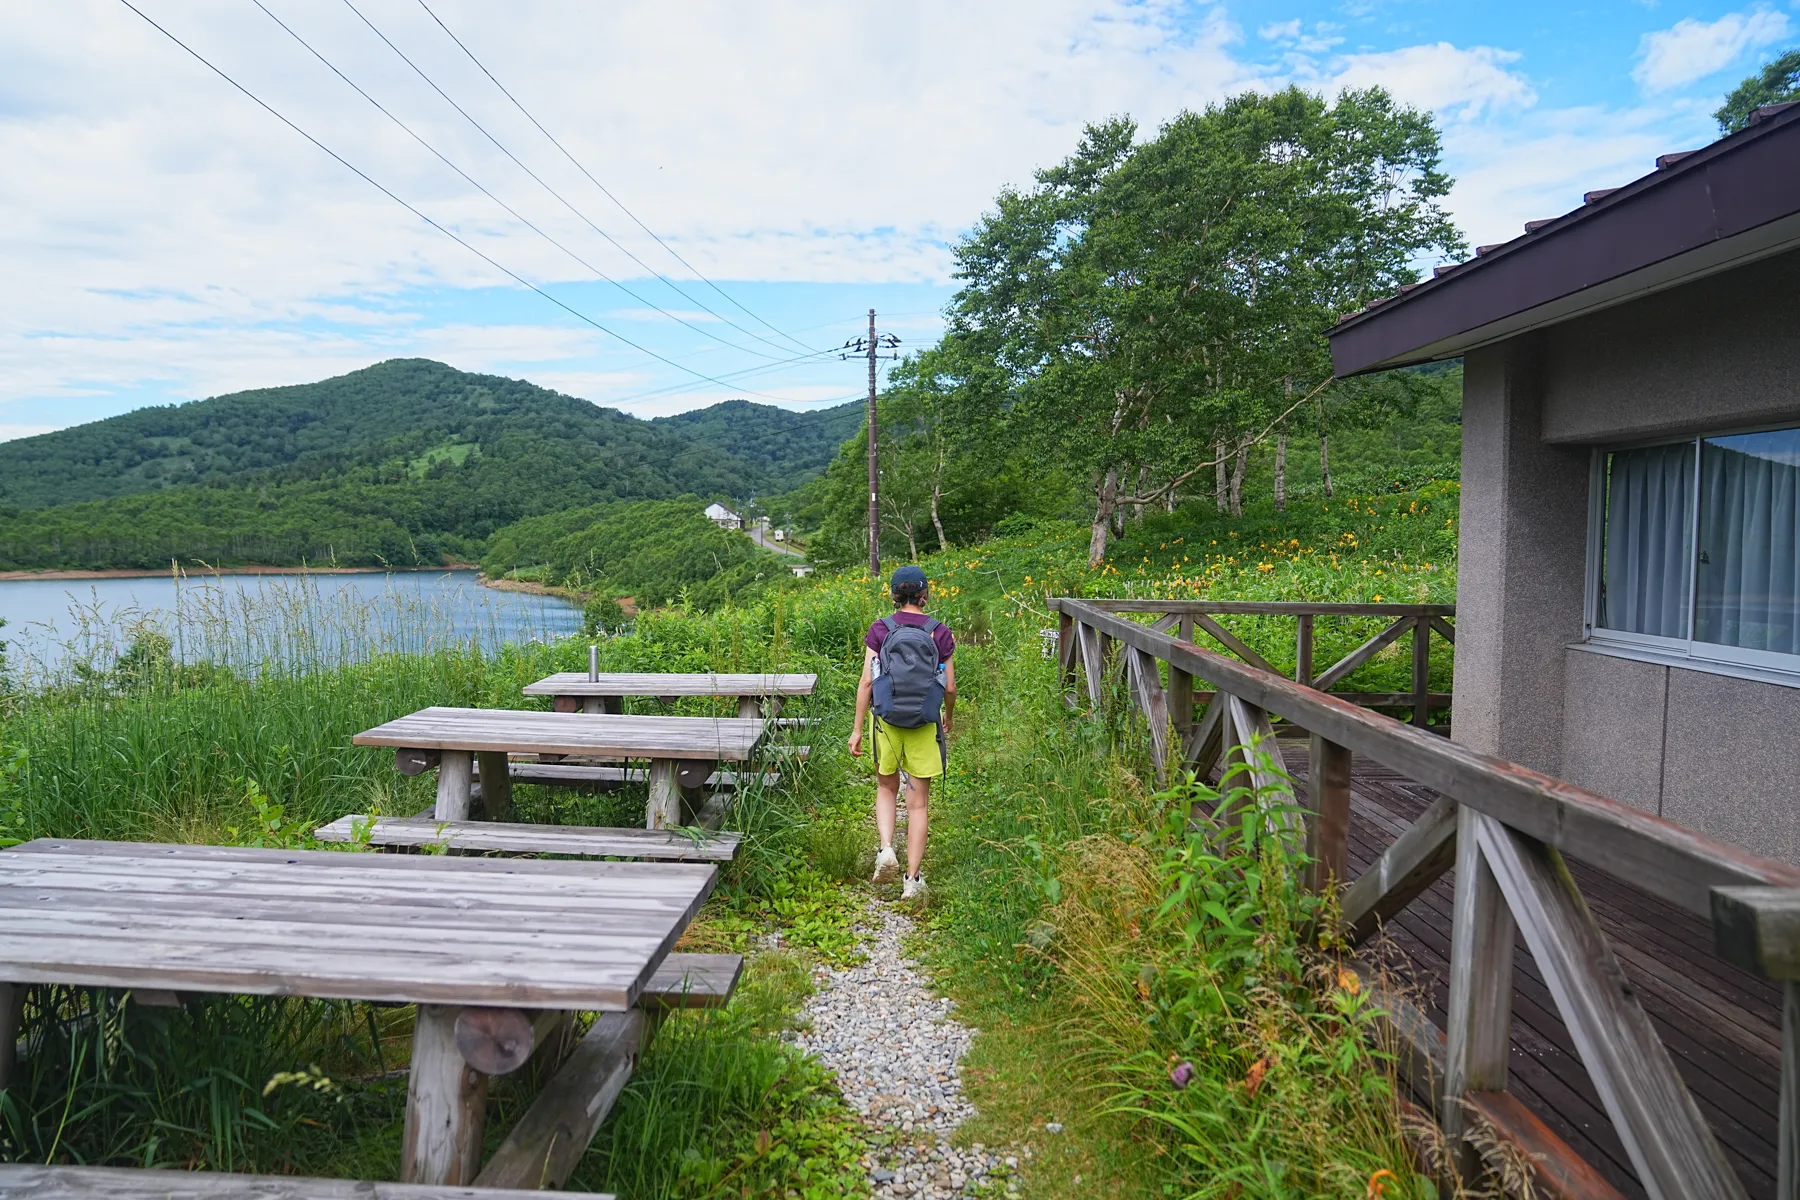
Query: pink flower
[(1182, 1072)]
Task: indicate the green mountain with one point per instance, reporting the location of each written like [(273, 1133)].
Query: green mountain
[(406, 462), (785, 448)]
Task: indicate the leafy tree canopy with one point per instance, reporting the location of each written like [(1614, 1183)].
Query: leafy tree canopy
[(1778, 81)]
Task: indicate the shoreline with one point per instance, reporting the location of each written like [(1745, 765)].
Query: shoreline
[(627, 604), (141, 573)]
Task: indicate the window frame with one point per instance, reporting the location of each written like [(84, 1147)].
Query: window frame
[(1765, 666)]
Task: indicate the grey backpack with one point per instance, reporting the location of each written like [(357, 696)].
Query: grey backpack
[(910, 689)]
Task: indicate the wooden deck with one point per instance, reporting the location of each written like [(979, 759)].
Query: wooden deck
[(1722, 1025)]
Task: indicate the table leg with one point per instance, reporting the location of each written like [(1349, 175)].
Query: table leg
[(750, 707), (612, 705), (664, 809), (12, 1008), (456, 771), (593, 704), (446, 1103), (496, 783)]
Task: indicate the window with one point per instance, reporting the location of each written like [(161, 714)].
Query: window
[(1697, 552)]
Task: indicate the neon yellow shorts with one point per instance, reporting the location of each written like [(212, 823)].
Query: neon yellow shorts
[(914, 751)]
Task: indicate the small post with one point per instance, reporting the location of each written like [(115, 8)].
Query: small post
[(1184, 628), (1788, 1131), (593, 664), (749, 708), (1421, 672), (496, 782), (456, 771), (446, 1105), (664, 809), (1479, 1039), (1181, 711), (1065, 649), (1303, 652), (12, 1009), (1328, 832)]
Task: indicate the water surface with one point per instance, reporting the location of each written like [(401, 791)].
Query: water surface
[(246, 620)]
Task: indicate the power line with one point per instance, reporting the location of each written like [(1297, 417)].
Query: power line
[(476, 184), (764, 369), (482, 129), (603, 188), (366, 178)]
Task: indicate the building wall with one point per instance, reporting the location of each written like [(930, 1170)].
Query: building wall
[(1720, 353), (1719, 754)]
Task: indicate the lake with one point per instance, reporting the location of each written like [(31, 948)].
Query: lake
[(52, 624)]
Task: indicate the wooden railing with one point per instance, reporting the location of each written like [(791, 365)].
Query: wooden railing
[(1190, 618), (1506, 830)]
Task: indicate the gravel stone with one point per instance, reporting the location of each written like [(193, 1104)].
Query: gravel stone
[(895, 1048)]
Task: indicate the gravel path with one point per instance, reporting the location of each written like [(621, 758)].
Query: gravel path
[(895, 1049)]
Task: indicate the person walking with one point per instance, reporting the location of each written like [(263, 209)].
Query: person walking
[(909, 682)]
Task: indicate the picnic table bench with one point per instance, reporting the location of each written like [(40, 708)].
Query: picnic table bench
[(498, 955), (757, 695), (684, 752)]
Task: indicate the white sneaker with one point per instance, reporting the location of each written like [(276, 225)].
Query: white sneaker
[(886, 866), (914, 887)]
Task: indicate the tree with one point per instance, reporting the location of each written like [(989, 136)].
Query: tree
[(1156, 306), (1779, 80)]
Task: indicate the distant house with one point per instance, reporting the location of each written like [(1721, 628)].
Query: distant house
[(802, 570), (723, 517), (1628, 606)]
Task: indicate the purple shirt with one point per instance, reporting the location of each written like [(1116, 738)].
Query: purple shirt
[(946, 645)]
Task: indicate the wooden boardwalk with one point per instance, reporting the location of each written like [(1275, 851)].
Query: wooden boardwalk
[(1722, 1025)]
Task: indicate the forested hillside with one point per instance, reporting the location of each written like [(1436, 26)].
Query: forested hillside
[(408, 462), (785, 448)]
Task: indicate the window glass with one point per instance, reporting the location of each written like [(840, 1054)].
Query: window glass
[(1644, 571), (1747, 580)]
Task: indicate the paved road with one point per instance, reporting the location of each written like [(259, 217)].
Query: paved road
[(761, 538)]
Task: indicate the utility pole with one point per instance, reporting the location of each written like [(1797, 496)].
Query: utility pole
[(872, 347)]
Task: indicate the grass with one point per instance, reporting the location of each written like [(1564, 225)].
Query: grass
[(1050, 859)]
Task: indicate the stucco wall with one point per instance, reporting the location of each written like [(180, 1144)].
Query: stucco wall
[(1716, 354), (1524, 540)]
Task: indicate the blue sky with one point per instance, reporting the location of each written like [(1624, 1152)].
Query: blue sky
[(167, 240)]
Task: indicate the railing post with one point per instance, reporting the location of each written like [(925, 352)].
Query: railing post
[(1184, 629), (1479, 1039), (1303, 652), (1788, 1131), (1181, 710), (1065, 649), (1421, 672), (1328, 826)]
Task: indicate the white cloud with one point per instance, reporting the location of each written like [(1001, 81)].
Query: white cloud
[(10, 431), (1691, 50), (1452, 81), (1277, 31)]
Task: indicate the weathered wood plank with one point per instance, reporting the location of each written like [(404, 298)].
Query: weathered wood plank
[(664, 808), (1421, 672), (1787, 1129), (1406, 868), (1146, 687), (1478, 1038), (549, 1140), (1303, 650), (536, 839), (1093, 666), (1206, 743), (1328, 827), (1663, 858), (599, 777), (1362, 654), (626, 683), (367, 927), (522, 731), (30, 1182), (1670, 1144), (446, 1104), (1443, 628), (1180, 701), (1272, 608), (1758, 929), (414, 762), (693, 981)]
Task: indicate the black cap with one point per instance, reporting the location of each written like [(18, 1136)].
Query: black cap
[(907, 576)]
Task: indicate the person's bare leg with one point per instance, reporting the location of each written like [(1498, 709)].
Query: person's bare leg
[(887, 791), (917, 796)]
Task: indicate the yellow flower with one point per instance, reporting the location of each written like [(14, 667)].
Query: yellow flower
[(1265, 566), (1377, 598)]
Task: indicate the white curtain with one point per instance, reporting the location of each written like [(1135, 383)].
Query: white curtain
[(1644, 582), (1747, 591)]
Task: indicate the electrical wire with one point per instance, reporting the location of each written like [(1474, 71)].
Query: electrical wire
[(476, 184), (604, 190), (566, 203), (366, 178)]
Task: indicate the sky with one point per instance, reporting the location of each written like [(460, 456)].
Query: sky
[(656, 205)]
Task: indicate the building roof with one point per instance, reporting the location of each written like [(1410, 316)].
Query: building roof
[(717, 511), (1699, 212)]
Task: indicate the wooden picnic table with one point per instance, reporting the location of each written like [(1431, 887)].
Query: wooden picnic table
[(757, 695), (497, 953), (682, 751)]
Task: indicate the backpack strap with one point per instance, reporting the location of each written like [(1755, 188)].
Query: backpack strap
[(931, 624), (890, 623)]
